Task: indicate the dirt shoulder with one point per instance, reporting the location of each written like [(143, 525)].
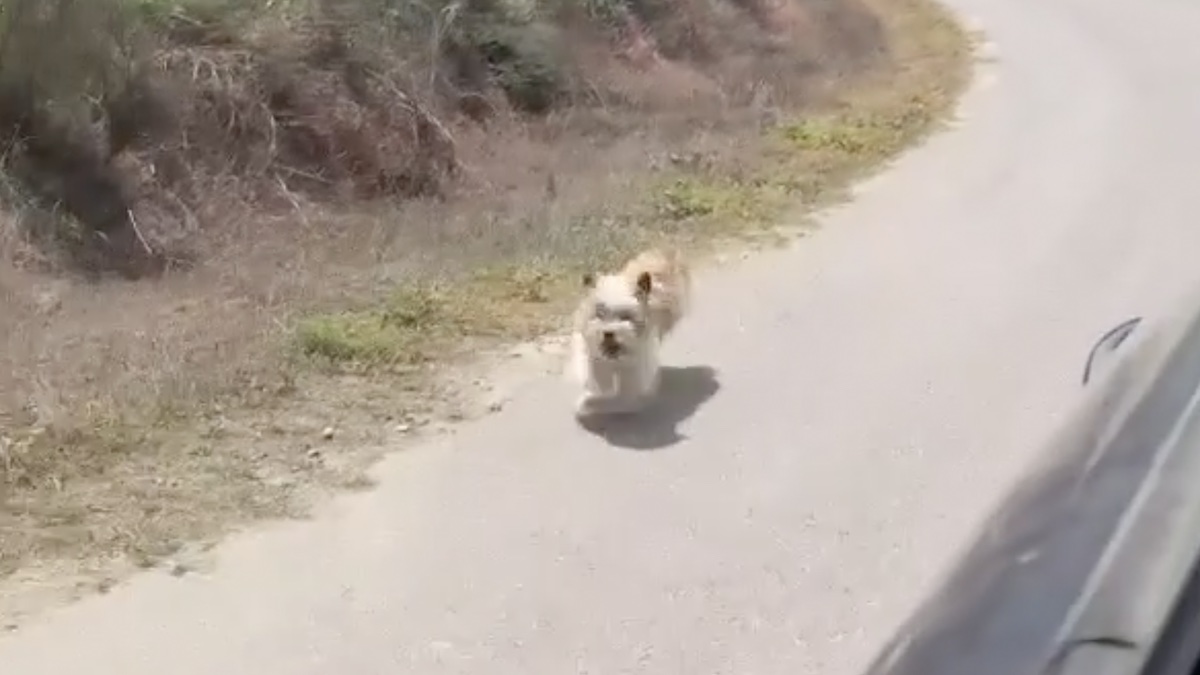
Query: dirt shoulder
[(283, 246)]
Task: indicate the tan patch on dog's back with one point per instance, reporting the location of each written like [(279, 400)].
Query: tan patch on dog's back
[(670, 290)]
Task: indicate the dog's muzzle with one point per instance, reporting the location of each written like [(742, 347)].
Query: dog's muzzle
[(609, 345)]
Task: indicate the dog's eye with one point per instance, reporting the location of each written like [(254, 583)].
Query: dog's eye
[(628, 317)]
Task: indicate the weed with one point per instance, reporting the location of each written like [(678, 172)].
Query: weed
[(851, 137), (405, 331), (729, 201)]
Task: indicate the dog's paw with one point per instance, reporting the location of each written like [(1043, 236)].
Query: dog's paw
[(624, 404), (593, 404), (633, 403), (586, 404)]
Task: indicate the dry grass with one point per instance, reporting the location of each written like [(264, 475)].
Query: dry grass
[(139, 418)]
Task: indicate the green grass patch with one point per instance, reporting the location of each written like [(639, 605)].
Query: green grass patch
[(700, 197), (405, 330), (420, 323)]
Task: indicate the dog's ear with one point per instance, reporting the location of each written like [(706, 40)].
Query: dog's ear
[(644, 284), (588, 279)]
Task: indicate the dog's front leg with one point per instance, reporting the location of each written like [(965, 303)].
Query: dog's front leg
[(599, 386), (647, 374), (638, 382)]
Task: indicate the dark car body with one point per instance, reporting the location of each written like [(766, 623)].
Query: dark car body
[(1087, 567)]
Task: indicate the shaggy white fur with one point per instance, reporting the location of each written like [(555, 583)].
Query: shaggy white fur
[(618, 329)]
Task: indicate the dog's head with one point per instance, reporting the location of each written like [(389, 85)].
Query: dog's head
[(613, 317)]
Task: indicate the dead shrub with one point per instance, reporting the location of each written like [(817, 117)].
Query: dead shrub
[(162, 122)]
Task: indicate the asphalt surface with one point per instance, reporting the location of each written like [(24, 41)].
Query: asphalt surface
[(874, 391)]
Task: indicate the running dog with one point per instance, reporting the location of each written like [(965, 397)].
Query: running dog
[(619, 326)]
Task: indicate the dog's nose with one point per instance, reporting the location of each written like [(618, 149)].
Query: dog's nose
[(608, 335)]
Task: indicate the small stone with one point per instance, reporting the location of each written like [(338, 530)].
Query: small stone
[(403, 428), (327, 434), (179, 569), (528, 349), (313, 453), (48, 302)]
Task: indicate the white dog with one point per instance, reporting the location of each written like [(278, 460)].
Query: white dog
[(619, 326)]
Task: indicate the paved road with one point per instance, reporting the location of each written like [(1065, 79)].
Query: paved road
[(876, 389)]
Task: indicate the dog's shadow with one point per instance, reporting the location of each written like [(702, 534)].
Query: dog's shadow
[(681, 393)]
